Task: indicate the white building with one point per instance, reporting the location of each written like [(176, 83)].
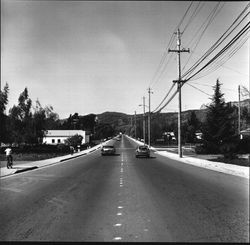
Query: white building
[(59, 136)]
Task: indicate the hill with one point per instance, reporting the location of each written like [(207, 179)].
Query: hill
[(122, 122)]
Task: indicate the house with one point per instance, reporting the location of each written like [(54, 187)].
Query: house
[(54, 137)]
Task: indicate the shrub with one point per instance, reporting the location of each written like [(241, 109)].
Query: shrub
[(229, 150), (243, 146)]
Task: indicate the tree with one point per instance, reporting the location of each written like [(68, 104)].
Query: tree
[(39, 119), (21, 120), (104, 130), (3, 117), (193, 125), (218, 132), (74, 140), (52, 118)]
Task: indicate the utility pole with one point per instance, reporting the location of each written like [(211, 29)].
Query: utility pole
[(144, 123), (179, 84), (239, 111), (149, 116), (135, 125)]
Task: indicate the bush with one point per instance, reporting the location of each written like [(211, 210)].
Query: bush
[(41, 148), (243, 146), (229, 150), (207, 148), (200, 149)]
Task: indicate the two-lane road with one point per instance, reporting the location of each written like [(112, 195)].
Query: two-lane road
[(122, 198)]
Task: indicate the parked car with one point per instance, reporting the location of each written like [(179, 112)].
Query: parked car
[(142, 151), (108, 150)]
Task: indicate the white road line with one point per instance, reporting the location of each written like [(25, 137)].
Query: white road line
[(119, 214), (117, 238), (117, 225), (120, 206)]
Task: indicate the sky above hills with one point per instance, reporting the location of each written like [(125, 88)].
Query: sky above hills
[(97, 56)]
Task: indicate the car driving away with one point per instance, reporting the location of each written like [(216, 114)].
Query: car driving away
[(142, 151), (108, 150)]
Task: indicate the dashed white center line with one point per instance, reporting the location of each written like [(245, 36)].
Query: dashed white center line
[(120, 207), (117, 238), (117, 225), (119, 214)]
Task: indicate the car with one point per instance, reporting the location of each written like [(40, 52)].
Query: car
[(108, 150), (142, 151)]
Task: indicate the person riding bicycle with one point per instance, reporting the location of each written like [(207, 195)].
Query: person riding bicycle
[(9, 157)]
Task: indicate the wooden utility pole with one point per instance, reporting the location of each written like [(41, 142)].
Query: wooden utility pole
[(179, 84), (239, 112), (144, 123), (135, 126), (149, 116)]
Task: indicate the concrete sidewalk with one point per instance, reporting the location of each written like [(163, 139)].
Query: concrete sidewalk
[(232, 169), (4, 171)]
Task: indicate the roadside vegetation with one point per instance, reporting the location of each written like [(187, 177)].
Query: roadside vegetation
[(24, 125)]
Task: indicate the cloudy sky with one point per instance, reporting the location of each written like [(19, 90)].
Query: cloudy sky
[(97, 56)]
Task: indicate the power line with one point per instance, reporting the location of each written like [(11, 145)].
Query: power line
[(239, 34), (217, 43), (163, 59), (198, 89), (165, 97), (196, 11), (213, 59), (209, 20), (191, 55), (223, 59)]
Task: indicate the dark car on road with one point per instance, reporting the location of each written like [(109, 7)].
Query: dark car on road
[(108, 150), (142, 151)]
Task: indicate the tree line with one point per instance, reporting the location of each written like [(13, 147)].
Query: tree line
[(25, 123), (219, 129)]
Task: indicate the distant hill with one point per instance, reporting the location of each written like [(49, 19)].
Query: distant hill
[(122, 122)]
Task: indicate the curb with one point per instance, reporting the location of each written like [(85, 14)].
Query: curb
[(25, 169), (240, 171), (65, 159), (51, 163)]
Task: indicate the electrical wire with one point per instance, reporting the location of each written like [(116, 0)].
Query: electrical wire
[(199, 89), (232, 41), (159, 68), (192, 16), (239, 34), (164, 97), (170, 99), (209, 20), (222, 60), (217, 43)]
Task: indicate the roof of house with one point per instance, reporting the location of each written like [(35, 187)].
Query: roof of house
[(63, 133)]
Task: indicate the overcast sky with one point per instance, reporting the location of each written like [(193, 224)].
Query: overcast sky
[(97, 56)]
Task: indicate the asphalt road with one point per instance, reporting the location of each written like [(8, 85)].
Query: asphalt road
[(122, 198)]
